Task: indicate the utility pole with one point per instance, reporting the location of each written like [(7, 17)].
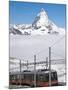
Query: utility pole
[(49, 66), (46, 62), (27, 64), (20, 72), (34, 70)]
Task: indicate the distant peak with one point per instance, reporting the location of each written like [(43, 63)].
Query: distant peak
[(41, 19), (42, 10), (42, 13)]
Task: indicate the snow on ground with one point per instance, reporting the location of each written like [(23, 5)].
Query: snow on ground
[(24, 47)]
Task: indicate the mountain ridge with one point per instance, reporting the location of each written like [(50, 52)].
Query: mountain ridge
[(40, 26)]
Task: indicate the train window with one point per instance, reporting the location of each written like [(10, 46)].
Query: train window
[(33, 77), (10, 77), (54, 76), (40, 77), (22, 76), (25, 76), (28, 76), (18, 76), (47, 77), (44, 78), (13, 77)]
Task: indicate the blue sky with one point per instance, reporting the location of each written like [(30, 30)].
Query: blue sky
[(25, 13)]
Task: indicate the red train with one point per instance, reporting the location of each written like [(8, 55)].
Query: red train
[(27, 78)]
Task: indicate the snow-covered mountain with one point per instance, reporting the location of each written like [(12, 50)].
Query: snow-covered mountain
[(40, 26)]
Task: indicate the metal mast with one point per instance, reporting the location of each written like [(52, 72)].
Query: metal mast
[(49, 66)]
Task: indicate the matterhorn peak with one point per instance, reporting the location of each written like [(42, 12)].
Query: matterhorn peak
[(42, 13), (42, 10), (41, 19)]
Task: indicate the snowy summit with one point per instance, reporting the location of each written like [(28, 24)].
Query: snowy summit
[(41, 19), (40, 26)]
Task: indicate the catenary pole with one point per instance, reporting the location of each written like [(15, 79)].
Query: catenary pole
[(20, 72), (34, 70), (49, 66), (46, 62)]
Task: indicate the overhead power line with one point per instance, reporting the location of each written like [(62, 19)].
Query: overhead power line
[(52, 44), (56, 54), (57, 41)]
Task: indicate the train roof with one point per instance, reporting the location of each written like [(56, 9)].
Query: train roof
[(40, 71)]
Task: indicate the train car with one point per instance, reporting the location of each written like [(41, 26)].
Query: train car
[(27, 78)]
